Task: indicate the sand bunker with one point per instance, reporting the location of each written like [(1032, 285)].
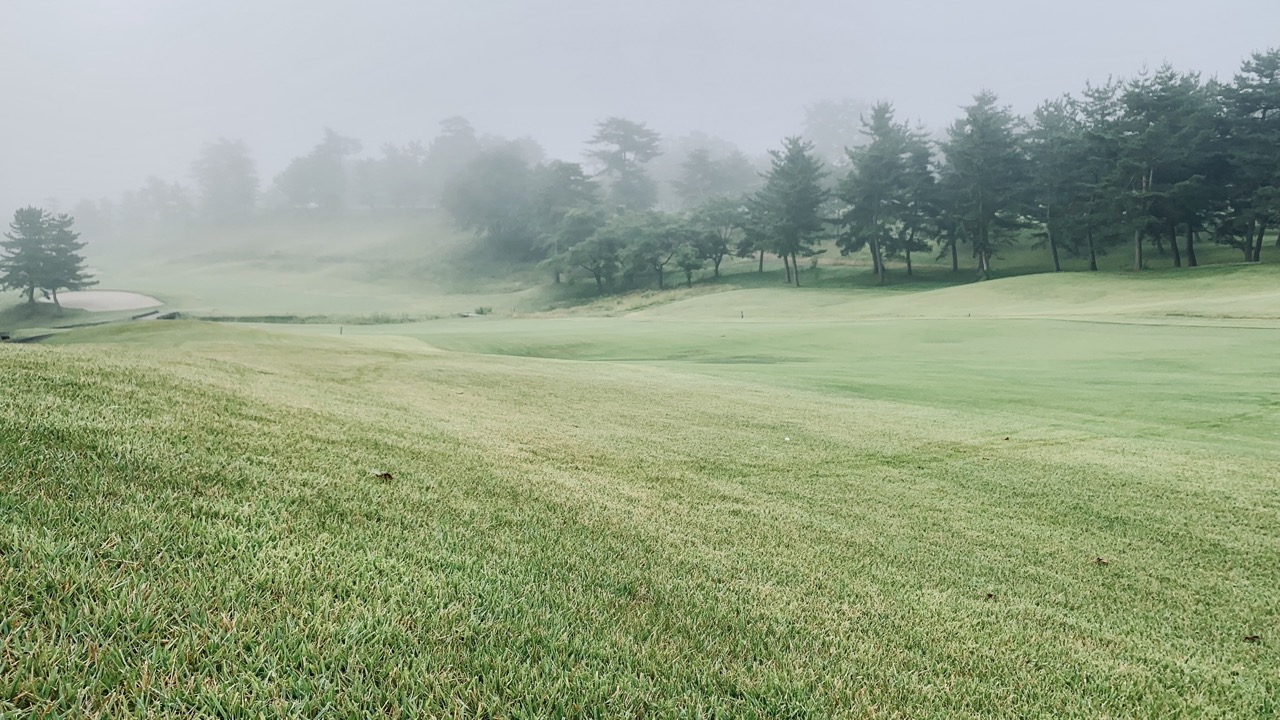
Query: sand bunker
[(106, 300)]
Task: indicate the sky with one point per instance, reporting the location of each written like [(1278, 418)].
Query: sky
[(96, 95)]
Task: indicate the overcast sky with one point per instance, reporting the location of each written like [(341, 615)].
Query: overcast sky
[(98, 94)]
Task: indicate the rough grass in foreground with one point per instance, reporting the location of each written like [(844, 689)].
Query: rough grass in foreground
[(190, 524)]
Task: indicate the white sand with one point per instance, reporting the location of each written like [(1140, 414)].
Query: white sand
[(106, 300)]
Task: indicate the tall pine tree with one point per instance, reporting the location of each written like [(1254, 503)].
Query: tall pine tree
[(64, 265), (788, 209), (24, 252), (42, 252), (988, 169)]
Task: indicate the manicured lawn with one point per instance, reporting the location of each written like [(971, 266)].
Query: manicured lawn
[(988, 501)]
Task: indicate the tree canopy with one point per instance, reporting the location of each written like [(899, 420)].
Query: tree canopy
[(42, 252)]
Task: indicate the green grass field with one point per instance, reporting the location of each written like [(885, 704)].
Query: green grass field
[(1031, 497)]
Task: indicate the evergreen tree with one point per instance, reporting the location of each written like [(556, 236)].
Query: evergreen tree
[(1172, 163), (64, 265), (876, 191), (42, 252), (1053, 149), (24, 253), (1253, 105), (987, 167), (918, 209), (623, 147), (1101, 218), (788, 209)]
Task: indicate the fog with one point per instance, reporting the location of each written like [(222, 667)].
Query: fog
[(100, 94)]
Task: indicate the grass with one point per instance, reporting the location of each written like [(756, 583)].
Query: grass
[(418, 264), (996, 500), (358, 266), (24, 315)]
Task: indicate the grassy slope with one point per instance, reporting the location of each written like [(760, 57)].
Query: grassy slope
[(415, 265), (27, 320), (24, 315), (407, 265), (1225, 292), (606, 516)]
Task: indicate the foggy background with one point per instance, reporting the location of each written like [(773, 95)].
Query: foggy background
[(99, 94)]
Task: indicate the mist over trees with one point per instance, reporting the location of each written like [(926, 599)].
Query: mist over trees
[(623, 148), (226, 181), (318, 180), (1161, 163)]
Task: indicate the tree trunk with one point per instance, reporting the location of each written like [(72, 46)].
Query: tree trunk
[(761, 262), (1053, 245), (795, 267), (1093, 252), (55, 300), (1173, 243), (688, 278), (877, 263), (1147, 181), (787, 263), (599, 283), (1191, 248), (1257, 243), (661, 284), (718, 260), (955, 256), (1248, 240), (911, 239)]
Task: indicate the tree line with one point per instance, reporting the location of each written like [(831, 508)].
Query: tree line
[(1162, 162)]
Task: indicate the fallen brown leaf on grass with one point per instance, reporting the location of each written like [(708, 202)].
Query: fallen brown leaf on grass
[(1100, 561), (1253, 638)]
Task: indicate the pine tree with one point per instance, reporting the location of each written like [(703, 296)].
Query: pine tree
[(1171, 161), (888, 191), (1053, 148), (64, 269), (788, 209), (1253, 104), (623, 147), (1101, 203), (988, 168), (24, 252), (42, 252)]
